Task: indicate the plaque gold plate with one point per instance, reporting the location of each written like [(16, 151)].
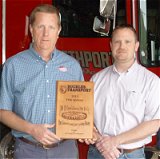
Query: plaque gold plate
[(74, 109)]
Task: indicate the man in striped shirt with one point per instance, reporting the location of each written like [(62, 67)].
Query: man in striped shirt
[(28, 90)]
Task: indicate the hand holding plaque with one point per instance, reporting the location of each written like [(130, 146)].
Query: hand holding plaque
[(74, 113)]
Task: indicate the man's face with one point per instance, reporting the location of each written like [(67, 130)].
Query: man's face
[(124, 46), (45, 32)]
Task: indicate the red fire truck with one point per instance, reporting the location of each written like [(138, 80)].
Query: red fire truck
[(81, 36)]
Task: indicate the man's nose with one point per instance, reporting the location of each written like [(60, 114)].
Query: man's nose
[(122, 44), (46, 31)]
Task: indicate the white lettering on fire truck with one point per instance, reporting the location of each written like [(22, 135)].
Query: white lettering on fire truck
[(94, 59)]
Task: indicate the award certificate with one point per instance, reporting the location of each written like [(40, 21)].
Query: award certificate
[(74, 109)]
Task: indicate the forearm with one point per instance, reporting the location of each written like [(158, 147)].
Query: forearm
[(11, 120), (138, 133)]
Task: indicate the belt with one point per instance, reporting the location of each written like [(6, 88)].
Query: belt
[(129, 150), (39, 144)]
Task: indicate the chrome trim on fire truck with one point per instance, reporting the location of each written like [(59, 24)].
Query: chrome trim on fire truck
[(3, 31)]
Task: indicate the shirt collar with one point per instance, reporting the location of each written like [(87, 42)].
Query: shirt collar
[(131, 69), (37, 56)]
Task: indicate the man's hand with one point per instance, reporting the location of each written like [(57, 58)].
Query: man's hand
[(43, 135), (95, 138), (114, 154), (107, 146)]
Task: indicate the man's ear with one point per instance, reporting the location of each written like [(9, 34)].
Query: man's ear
[(137, 46), (110, 45), (31, 30), (59, 30)]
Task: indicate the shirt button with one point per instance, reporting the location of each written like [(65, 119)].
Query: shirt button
[(46, 66), (47, 81), (48, 96), (49, 111)]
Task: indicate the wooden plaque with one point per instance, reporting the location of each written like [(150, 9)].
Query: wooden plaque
[(74, 112)]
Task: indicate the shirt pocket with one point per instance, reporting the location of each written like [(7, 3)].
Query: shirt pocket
[(134, 101)]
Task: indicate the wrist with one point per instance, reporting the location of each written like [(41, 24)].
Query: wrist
[(30, 129), (117, 140)]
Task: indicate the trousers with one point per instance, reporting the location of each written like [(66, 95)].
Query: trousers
[(93, 153), (65, 150)]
